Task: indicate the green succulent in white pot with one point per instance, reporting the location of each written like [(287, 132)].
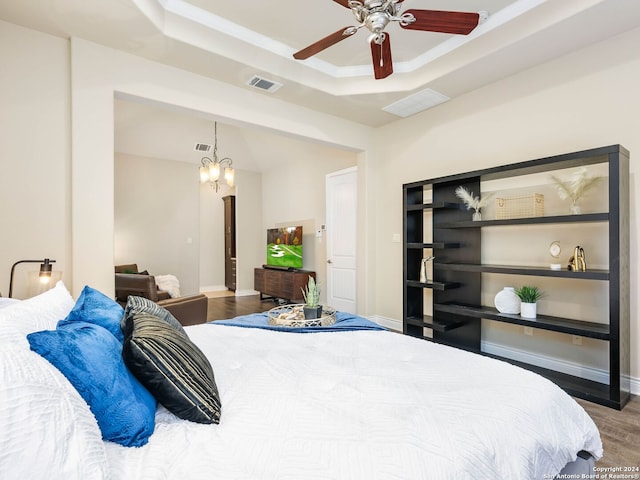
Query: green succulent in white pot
[(311, 293), (529, 297)]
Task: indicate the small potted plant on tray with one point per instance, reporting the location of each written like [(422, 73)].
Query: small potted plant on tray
[(528, 298), (311, 294)]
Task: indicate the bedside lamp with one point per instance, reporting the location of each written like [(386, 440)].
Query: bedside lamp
[(44, 275)]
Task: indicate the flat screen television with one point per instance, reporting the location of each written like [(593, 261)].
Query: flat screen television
[(284, 247)]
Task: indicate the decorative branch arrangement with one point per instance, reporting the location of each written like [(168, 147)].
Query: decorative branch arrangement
[(575, 188), (472, 202)]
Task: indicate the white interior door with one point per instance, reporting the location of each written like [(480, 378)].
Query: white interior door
[(341, 235)]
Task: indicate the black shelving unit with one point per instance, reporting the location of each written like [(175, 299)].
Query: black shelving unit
[(457, 271)]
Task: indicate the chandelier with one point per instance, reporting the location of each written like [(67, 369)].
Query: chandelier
[(211, 168)]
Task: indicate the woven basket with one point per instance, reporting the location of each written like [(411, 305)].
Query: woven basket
[(520, 207)]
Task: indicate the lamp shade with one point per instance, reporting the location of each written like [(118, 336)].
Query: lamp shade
[(204, 174), (42, 277), (229, 176), (37, 283), (214, 171)]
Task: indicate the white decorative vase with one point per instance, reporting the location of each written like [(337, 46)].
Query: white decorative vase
[(575, 209), (423, 270), (506, 301), (477, 216), (528, 310)]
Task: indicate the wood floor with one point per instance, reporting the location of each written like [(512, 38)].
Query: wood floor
[(223, 308), (619, 430), (620, 433)]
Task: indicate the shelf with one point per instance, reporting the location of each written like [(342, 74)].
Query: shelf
[(461, 242), (438, 325), (585, 218), (434, 205), (421, 246), (543, 322), (575, 386), (523, 270), (434, 285)]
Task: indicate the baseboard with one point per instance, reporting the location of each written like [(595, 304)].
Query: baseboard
[(246, 293), (571, 368), (223, 288), (390, 323), (564, 366), (213, 288)]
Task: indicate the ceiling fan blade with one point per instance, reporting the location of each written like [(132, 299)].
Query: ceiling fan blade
[(344, 3), (326, 42), (381, 56), (461, 23)]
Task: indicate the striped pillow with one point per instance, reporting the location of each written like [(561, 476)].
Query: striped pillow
[(141, 304), (171, 367)]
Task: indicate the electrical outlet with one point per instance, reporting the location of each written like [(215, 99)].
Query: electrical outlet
[(528, 331), (576, 340)]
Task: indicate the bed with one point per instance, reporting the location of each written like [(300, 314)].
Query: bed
[(361, 403)]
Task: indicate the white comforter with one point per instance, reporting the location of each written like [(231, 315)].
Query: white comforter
[(362, 406)]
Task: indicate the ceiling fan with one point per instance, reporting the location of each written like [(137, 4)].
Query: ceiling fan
[(377, 14)]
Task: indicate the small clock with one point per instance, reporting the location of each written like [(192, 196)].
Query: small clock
[(554, 251)]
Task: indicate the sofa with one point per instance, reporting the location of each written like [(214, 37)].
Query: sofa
[(188, 309)]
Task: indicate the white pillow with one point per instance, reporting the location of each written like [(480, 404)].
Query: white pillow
[(46, 428), (5, 302), (38, 313)]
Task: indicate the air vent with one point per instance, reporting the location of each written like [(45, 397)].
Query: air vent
[(203, 147), (264, 84), (415, 103)]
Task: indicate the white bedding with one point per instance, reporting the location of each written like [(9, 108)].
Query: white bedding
[(361, 406)]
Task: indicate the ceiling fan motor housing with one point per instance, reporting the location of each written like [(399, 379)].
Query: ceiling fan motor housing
[(377, 21)]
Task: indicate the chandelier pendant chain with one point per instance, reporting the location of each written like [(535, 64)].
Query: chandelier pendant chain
[(215, 141)]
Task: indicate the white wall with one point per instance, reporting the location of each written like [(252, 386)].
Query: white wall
[(292, 185), (157, 218), (295, 195), (35, 203), (212, 236), (584, 100), (587, 99), (98, 74), (249, 242)]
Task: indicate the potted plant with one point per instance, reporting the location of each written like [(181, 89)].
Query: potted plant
[(528, 298), (311, 293)]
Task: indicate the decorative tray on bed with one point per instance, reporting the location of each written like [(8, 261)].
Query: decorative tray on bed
[(293, 316)]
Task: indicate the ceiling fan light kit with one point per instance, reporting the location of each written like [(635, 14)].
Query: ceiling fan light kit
[(375, 15)]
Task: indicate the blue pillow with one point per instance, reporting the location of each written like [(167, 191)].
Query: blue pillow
[(91, 358), (95, 307)]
